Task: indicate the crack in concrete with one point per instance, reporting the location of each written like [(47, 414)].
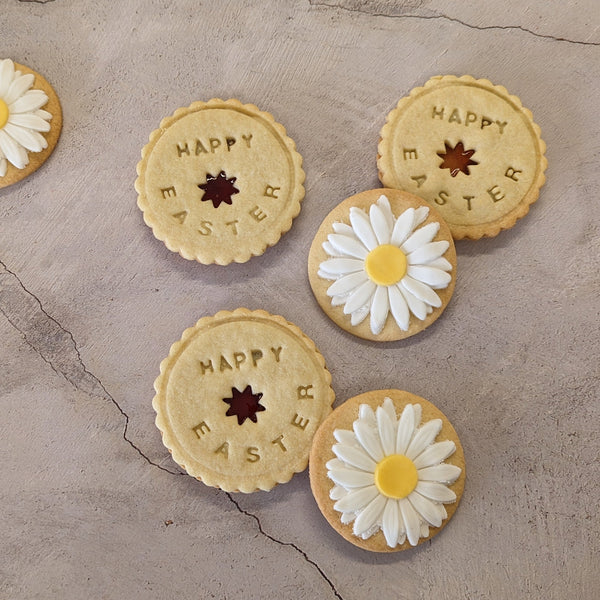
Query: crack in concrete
[(36, 1), (290, 544), (453, 20), (54, 344)]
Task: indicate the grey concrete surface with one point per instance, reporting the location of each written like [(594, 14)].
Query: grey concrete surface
[(91, 504)]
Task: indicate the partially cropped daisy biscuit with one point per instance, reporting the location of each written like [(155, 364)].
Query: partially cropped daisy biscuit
[(30, 121), (383, 265), (387, 470), (220, 181), (469, 148), (239, 399)]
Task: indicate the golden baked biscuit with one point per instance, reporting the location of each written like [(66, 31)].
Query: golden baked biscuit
[(469, 148), (383, 265), (387, 470), (30, 121), (239, 399), (220, 181)]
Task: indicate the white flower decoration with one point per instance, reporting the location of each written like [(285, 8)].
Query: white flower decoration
[(21, 119), (381, 264), (390, 475)]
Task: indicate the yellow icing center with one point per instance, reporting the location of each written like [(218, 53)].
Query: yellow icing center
[(396, 476), (3, 113), (386, 264)]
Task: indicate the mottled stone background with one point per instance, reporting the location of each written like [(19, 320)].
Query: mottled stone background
[(92, 505)]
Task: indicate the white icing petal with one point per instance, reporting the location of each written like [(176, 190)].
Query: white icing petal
[(338, 300), (435, 454), (387, 431), (30, 121), (421, 291), (347, 246), (359, 315), (406, 428), (362, 227), (428, 252), (384, 205), (424, 529), (360, 296), (390, 522), (344, 436), (418, 411), (380, 224), (398, 307), (367, 414), (344, 229), (417, 307), (347, 283), (423, 438), (369, 515), (403, 227), (412, 523), (369, 440), (351, 478), (420, 215), (356, 499), (443, 473), (30, 140), (335, 463), (435, 491), (14, 152), (440, 263), (325, 275), (342, 266), (430, 511), (389, 408), (32, 100), (43, 114), (348, 518), (7, 74), (18, 87), (355, 457), (436, 278), (420, 237), (330, 249), (337, 492), (3, 166), (380, 307)]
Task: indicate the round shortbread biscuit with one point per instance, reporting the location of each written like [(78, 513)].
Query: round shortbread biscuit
[(239, 399), (395, 231), (402, 486), (220, 181), (469, 148), (27, 122)]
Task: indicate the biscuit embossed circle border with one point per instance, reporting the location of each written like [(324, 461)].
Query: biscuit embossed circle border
[(217, 253), (388, 174), (270, 475)]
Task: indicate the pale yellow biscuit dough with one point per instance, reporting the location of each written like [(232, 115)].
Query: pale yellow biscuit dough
[(220, 181), (239, 399), (469, 148)]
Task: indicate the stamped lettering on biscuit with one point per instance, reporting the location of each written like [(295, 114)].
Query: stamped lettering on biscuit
[(240, 397), (472, 141), (231, 170)]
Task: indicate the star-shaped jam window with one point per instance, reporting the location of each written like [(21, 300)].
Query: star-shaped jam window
[(244, 405), (218, 189), (457, 159)]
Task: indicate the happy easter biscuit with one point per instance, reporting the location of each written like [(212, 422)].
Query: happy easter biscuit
[(30, 121), (387, 470), (239, 399), (469, 148), (220, 181), (383, 265)]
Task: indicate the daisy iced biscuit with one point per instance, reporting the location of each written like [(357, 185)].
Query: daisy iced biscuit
[(469, 148), (220, 181), (382, 265), (387, 470), (239, 399), (30, 121)]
